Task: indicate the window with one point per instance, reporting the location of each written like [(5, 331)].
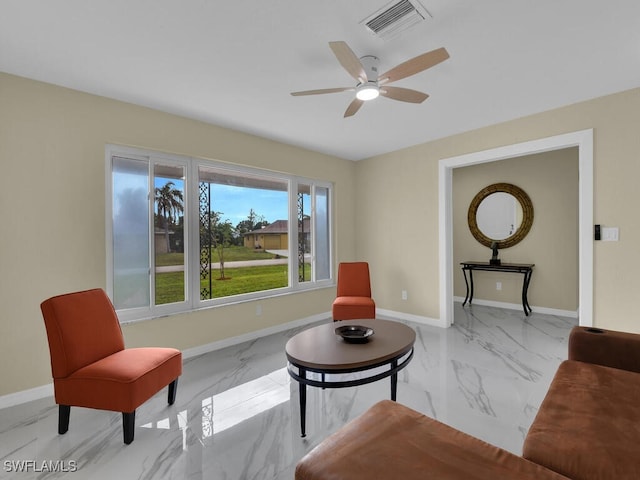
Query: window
[(234, 229), (168, 234), (184, 233), (147, 242), (313, 232)]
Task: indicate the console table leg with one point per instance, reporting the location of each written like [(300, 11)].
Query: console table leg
[(466, 297), (303, 402), (525, 289)]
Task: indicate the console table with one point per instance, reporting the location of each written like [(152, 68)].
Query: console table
[(525, 268)]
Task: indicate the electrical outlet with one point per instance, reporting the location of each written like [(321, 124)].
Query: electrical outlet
[(498, 285), (404, 294)]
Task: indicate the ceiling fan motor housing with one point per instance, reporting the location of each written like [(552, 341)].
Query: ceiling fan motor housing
[(369, 89), (370, 64)]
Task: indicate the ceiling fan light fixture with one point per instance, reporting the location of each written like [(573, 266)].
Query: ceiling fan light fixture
[(367, 91)]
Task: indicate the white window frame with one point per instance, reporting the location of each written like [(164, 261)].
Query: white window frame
[(191, 167)]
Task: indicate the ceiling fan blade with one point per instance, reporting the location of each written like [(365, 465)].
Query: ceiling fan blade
[(350, 62), (415, 65), (403, 94), (322, 91), (353, 107)]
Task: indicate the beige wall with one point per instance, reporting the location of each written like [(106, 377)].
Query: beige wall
[(397, 205), (551, 181), (52, 157)]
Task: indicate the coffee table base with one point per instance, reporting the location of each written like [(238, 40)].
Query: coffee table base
[(301, 378)]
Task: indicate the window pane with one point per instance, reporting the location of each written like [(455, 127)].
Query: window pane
[(169, 239), (243, 233), (321, 222), (131, 280)]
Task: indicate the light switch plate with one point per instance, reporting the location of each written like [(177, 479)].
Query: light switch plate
[(610, 234)]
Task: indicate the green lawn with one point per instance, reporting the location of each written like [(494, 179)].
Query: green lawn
[(231, 254), (170, 286)]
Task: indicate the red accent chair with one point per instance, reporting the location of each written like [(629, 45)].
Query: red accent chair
[(90, 366), (353, 299)]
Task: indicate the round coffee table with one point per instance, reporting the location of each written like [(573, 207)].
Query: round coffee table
[(320, 350)]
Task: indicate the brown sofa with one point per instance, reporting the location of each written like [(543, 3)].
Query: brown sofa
[(588, 427)]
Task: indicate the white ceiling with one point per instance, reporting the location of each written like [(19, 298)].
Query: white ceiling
[(233, 63)]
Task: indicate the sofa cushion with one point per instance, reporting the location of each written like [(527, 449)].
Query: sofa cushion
[(588, 426), (605, 347), (392, 441)]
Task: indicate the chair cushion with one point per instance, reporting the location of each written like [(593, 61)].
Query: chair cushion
[(588, 425), (353, 308), (391, 441), (120, 382)]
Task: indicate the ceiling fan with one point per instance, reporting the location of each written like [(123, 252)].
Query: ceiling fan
[(370, 85)]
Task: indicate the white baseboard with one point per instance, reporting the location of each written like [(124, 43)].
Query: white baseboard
[(518, 306), (44, 391), (25, 396), (250, 336), (432, 322)]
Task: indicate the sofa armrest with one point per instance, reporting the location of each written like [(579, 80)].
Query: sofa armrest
[(605, 347)]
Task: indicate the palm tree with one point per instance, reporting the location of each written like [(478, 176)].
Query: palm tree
[(169, 203)]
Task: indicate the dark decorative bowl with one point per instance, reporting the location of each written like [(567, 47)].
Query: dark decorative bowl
[(355, 333)]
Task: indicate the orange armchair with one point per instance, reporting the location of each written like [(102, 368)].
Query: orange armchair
[(353, 299), (90, 366)]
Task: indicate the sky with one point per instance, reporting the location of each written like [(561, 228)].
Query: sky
[(235, 203)]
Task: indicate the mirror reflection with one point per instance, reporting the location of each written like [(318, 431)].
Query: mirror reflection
[(499, 215)]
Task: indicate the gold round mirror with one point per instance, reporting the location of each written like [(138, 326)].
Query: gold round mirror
[(501, 213)]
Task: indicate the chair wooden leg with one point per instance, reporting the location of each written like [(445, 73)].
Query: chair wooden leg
[(128, 426), (64, 411), (173, 389)]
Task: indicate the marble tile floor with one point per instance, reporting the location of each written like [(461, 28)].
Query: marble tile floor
[(237, 415)]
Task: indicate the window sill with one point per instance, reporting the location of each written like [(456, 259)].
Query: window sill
[(147, 315)]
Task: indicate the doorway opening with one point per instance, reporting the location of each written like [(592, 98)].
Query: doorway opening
[(581, 139)]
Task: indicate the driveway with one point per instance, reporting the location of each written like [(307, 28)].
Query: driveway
[(237, 264)]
